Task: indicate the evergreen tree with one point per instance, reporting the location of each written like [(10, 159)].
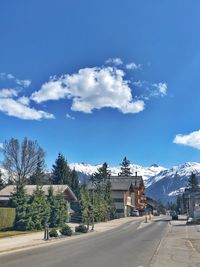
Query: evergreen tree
[(20, 201), (125, 168), (193, 181), (38, 177), (54, 208), (39, 210), (86, 205), (75, 185), (109, 200), (98, 178), (1, 181), (63, 209), (61, 171)]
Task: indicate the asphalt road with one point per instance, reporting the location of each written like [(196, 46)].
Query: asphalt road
[(125, 246)]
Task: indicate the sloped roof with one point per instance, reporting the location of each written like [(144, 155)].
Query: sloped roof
[(122, 183), (10, 189)]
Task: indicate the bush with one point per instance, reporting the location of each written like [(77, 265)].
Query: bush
[(53, 233), (66, 230), (7, 216), (81, 229)]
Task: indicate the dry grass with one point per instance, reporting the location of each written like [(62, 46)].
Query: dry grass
[(12, 233)]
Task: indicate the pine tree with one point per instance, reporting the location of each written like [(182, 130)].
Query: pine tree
[(39, 210), (102, 174), (20, 201), (109, 200), (54, 208), (61, 171), (75, 185), (38, 177), (86, 206), (193, 181), (63, 209), (125, 168)]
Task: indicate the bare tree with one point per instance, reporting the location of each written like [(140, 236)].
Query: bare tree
[(20, 159)]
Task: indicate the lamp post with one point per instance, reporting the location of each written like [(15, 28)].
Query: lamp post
[(92, 206)]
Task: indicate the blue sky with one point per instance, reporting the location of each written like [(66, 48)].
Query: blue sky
[(100, 80)]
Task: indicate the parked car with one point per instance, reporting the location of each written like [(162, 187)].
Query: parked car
[(135, 213), (174, 215)]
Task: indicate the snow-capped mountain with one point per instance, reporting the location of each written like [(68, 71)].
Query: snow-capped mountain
[(167, 184), (145, 172)]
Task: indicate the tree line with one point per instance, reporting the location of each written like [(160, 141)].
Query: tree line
[(25, 164)]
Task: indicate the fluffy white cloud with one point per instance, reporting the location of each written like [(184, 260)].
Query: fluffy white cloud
[(7, 93), (115, 61), (92, 88), (16, 109), (133, 66), (192, 139), (24, 100)]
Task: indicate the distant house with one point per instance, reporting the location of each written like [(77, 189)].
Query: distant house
[(190, 202), (6, 193), (128, 194)]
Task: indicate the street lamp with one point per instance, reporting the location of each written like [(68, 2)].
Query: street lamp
[(92, 206)]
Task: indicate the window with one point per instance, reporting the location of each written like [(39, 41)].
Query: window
[(119, 200), (119, 211)]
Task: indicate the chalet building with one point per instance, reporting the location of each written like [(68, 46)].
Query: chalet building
[(6, 193), (128, 194)]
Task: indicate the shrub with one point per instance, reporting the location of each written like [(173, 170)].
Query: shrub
[(53, 233), (81, 228), (7, 216), (66, 230)]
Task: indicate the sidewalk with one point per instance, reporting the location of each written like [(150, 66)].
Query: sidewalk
[(180, 247), (36, 239)]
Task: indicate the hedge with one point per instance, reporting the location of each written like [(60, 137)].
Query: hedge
[(7, 218)]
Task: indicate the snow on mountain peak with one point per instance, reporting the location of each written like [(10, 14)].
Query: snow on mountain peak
[(145, 172)]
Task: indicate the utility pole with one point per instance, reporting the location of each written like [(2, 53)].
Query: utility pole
[(92, 206)]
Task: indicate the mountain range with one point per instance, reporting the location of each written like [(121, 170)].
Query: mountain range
[(161, 183)]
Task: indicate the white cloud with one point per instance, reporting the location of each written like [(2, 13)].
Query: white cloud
[(5, 76), (24, 100), (192, 139), (68, 116), (9, 76), (16, 109), (7, 93), (115, 61), (161, 89), (24, 83), (92, 88), (133, 66)]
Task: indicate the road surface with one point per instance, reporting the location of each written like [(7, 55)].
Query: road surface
[(129, 245)]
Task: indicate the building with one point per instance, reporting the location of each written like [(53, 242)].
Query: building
[(128, 194), (6, 193), (190, 202)]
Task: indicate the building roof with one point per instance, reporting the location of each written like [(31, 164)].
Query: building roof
[(122, 183), (6, 193)]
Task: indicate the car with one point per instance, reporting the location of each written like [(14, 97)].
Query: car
[(135, 213), (174, 215)]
